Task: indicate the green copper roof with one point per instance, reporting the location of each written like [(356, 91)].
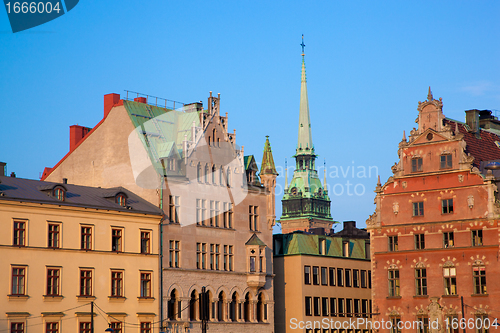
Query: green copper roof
[(255, 240), (304, 143), (267, 167), (308, 244)]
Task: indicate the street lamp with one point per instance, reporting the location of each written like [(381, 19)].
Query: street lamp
[(109, 329)]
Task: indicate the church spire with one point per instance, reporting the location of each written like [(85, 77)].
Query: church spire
[(304, 144), (267, 167)]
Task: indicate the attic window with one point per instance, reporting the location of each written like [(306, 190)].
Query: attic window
[(497, 143), (430, 136), (121, 199), (59, 194)]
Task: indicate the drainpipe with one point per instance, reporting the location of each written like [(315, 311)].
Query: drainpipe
[(162, 182)]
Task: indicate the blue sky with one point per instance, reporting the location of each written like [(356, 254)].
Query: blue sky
[(368, 64)]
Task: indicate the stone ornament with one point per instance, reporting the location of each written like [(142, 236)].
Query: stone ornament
[(470, 201), (395, 208)]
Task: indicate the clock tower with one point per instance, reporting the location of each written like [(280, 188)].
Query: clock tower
[(305, 202)]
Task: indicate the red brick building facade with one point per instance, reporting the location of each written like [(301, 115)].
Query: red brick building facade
[(434, 234)]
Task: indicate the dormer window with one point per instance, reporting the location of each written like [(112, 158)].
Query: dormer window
[(121, 199), (446, 161), (59, 194), (416, 164)]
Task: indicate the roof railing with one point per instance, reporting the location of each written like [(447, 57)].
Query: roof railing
[(154, 100)]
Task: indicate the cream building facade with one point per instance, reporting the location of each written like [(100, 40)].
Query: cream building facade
[(65, 246)]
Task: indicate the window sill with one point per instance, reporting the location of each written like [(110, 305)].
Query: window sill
[(145, 299), (117, 298), (393, 297), (53, 297), (480, 295), (81, 297), (20, 297), (421, 296), (449, 296)]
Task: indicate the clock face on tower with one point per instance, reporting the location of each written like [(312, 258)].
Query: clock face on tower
[(293, 191)]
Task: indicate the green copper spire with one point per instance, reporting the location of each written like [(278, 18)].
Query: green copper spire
[(304, 144), (267, 167), (305, 202)]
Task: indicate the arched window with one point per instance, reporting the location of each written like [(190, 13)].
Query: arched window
[(213, 174), (246, 308), (479, 277), (198, 172), (173, 306), (192, 306), (393, 279), (261, 315), (215, 136), (206, 173), (450, 278), (209, 140), (228, 177), (121, 199), (59, 194), (221, 176), (220, 306), (233, 307)]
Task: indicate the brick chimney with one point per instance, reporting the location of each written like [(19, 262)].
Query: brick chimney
[(109, 101), (76, 134), (472, 120), (2, 168)]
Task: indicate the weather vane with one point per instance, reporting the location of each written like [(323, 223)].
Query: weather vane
[(303, 45)]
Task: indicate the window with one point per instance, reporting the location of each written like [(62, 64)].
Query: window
[(253, 217), (447, 206), (217, 257), (174, 250), (419, 241), (420, 282), (116, 240), (201, 211), (333, 307), (393, 282), (332, 276), (145, 327), (53, 277), (308, 306), (418, 208), (228, 215), (145, 284), (449, 320), (348, 278), (231, 258), (116, 283), (423, 324), (86, 238), (53, 236), (393, 243), (446, 161), (201, 255), (448, 239), (395, 327), (450, 280), (212, 257), (85, 328), (355, 278), (363, 279), (364, 308), (59, 194), (479, 280), (214, 213), (213, 171), (16, 327), (252, 264), (224, 265), (416, 164), (348, 307), (145, 242), (307, 274), (322, 246), (116, 326), (315, 275), (340, 277), (85, 282), (19, 233), (174, 208), (370, 280), (324, 276), (477, 237), (206, 171), (121, 200), (18, 281), (317, 306), (324, 306), (482, 326), (51, 327), (341, 308)]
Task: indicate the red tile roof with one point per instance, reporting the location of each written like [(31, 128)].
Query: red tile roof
[(481, 145)]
